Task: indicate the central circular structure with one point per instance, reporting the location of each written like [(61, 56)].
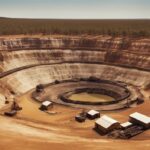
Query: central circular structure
[(90, 93), (95, 93), (95, 97)]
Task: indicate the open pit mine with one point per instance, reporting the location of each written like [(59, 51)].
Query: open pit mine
[(74, 92)]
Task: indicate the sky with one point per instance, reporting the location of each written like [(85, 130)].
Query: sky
[(75, 9)]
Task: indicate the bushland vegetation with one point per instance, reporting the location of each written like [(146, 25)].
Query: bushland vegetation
[(133, 28)]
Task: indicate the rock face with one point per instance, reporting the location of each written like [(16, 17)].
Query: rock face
[(26, 62), (118, 51), (29, 78), (97, 43)]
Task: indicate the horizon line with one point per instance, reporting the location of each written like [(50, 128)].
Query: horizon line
[(76, 18)]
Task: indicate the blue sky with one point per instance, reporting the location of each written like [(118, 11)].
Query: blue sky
[(86, 9)]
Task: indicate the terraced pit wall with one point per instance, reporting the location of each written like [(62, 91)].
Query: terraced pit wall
[(28, 61), (118, 51)]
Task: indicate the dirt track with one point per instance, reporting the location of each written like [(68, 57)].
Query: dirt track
[(33, 129)]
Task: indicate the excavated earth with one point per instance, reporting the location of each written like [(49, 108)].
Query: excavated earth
[(26, 61)]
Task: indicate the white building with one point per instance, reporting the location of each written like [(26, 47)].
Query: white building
[(45, 105), (140, 119), (93, 114), (126, 125), (106, 124)]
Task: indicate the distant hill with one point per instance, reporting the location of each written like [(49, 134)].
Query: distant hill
[(4, 18)]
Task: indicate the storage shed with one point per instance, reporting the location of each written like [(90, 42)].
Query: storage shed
[(45, 105), (126, 125), (140, 119), (93, 114), (106, 124), (80, 118)]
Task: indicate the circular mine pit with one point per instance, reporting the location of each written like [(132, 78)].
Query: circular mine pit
[(85, 93), (103, 75)]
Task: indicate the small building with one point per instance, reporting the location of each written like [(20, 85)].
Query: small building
[(80, 118), (93, 114), (39, 88), (106, 124), (126, 125), (45, 105), (140, 119)]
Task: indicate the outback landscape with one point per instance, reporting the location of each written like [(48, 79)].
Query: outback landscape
[(107, 61), (111, 27)]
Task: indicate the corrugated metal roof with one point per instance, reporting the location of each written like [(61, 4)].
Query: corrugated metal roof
[(143, 118), (106, 121), (126, 124), (93, 112)]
